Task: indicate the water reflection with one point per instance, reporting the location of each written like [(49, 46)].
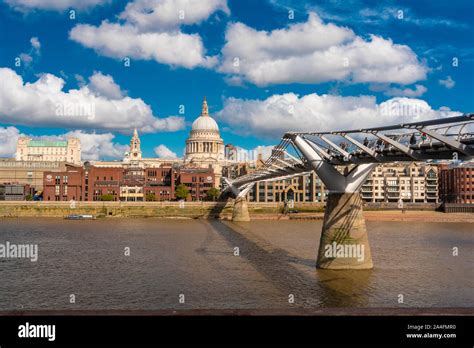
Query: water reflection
[(344, 288)]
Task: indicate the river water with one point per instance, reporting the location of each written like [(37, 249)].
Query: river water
[(196, 258)]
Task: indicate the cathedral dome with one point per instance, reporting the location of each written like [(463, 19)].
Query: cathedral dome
[(205, 122)]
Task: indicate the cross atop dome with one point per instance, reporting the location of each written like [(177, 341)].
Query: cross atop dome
[(205, 109)]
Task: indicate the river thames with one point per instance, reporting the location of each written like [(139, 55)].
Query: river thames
[(198, 259)]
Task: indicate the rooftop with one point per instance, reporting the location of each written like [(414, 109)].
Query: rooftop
[(47, 143)]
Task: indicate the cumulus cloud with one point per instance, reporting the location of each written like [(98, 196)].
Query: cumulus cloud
[(163, 151), (55, 5), (8, 140), (104, 85), (152, 32), (96, 146), (44, 103), (170, 14), (119, 41), (278, 114), (315, 52), (448, 82)]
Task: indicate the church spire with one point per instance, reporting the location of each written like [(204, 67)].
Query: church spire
[(135, 150), (205, 109)]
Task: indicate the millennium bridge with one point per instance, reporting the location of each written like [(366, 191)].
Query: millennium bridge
[(343, 159)]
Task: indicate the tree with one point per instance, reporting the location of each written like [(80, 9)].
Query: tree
[(150, 197), (29, 197), (107, 198), (181, 191), (212, 194)]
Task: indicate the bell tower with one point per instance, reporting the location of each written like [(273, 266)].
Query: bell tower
[(135, 151)]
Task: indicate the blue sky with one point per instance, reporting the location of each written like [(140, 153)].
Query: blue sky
[(288, 52)]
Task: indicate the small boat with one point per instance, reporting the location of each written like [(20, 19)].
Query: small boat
[(80, 217)]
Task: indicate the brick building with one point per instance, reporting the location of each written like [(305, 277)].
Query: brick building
[(65, 185), (456, 183), (102, 181), (127, 184), (159, 184), (198, 181)]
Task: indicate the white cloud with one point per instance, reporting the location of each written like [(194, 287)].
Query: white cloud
[(104, 85), (278, 114), (8, 140), (55, 5), (164, 152), (406, 92), (98, 146), (119, 41), (170, 14), (152, 32), (314, 52), (448, 82), (44, 103)]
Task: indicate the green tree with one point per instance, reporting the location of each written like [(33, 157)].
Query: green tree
[(107, 198), (29, 197), (150, 197), (212, 194), (181, 191)]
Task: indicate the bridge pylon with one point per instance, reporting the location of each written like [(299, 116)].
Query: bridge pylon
[(240, 211), (344, 243)]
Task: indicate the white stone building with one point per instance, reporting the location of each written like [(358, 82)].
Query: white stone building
[(68, 150)]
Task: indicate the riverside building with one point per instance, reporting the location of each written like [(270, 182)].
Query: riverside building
[(68, 150), (457, 183), (410, 182)]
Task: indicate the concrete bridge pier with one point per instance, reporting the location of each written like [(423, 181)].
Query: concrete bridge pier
[(344, 242), (240, 211)]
